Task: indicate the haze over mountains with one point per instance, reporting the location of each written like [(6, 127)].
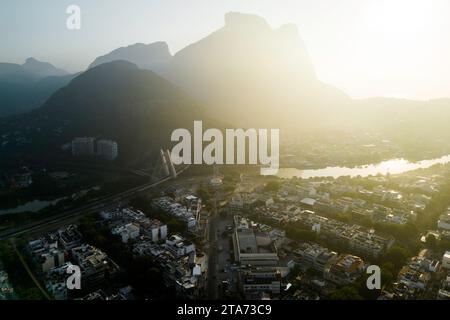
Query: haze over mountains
[(42, 69), (117, 100), (244, 69), (27, 86), (253, 75), (246, 73), (154, 56)]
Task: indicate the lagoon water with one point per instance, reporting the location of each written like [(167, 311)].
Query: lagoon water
[(393, 166), (31, 206)]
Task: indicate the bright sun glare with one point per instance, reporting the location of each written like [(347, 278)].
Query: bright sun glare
[(399, 16), (386, 47)]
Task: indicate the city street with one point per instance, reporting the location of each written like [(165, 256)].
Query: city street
[(220, 275)]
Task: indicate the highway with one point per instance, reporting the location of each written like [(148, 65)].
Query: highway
[(74, 214)]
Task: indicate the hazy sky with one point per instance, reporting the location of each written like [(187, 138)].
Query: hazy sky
[(367, 48)]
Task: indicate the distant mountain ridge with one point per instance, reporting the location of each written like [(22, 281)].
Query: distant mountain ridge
[(154, 56), (25, 87), (251, 74), (246, 73), (117, 100), (243, 69), (247, 70), (42, 69)]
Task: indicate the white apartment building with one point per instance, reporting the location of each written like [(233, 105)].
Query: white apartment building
[(446, 260), (107, 149), (154, 229), (83, 146), (53, 258), (128, 232), (179, 246), (444, 221)]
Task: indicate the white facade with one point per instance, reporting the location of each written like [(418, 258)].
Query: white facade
[(127, 232), (155, 230), (107, 149), (58, 290), (168, 205), (83, 146), (444, 221), (446, 260), (52, 259), (111, 214), (179, 246)]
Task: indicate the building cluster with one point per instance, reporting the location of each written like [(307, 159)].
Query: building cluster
[(444, 291), (259, 282), (345, 269), (6, 290), (354, 237), (187, 210), (131, 225), (255, 248), (266, 259), (350, 149), (355, 203), (337, 211), (417, 278), (125, 293), (378, 205), (252, 246), (57, 251), (444, 221), (340, 269), (183, 268), (85, 146), (16, 179)]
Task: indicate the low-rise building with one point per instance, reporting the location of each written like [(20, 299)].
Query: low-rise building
[(94, 265), (253, 247), (179, 246), (129, 231), (344, 270), (315, 256), (154, 229), (83, 146), (69, 237), (444, 291), (414, 279), (187, 214), (444, 221), (107, 149), (446, 260), (51, 259), (260, 280)]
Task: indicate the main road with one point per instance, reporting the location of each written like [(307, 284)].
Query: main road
[(74, 214), (212, 289)]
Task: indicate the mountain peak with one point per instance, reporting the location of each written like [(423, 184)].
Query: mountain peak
[(31, 60), (42, 69), (152, 56), (116, 66), (139, 106), (289, 30), (244, 20)]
